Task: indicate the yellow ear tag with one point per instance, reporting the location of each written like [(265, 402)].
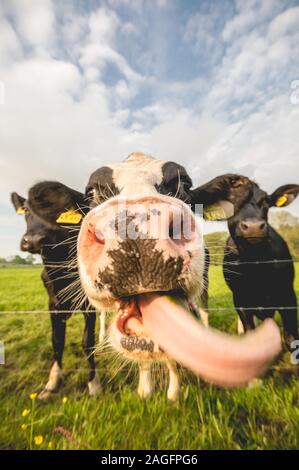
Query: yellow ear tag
[(282, 200), (21, 211), (214, 212), (69, 217)]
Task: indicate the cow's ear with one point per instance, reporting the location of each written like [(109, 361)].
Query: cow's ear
[(284, 195), (56, 203), (18, 203), (222, 197)]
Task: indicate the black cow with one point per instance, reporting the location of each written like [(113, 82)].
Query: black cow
[(258, 267), (56, 243)]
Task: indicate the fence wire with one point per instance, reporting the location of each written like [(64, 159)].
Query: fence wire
[(209, 309), (229, 308)]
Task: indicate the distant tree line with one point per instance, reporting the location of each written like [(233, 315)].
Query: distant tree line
[(28, 260)]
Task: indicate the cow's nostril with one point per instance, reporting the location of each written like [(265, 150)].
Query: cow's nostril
[(94, 234), (263, 226), (244, 226), (99, 236)]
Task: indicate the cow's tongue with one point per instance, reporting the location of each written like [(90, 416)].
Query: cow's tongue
[(215, 356)]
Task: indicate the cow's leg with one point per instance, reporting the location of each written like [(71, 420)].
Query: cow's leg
[(204, 316), (58, 323), (246, 323), (88, 343), (246, 316), (240, 327), (289, 319), (102, 331), (145, 380), (174, 381), (204, 298)]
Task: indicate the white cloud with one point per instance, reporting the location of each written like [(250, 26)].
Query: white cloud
[(102, 25), (10, 47), (202, 33), (100, 50), (264, 147), (34, 20), (62, 118), (285, 23), (256, 65), (251, 15)]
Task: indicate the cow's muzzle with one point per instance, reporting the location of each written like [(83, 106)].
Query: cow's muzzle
[(127, 247)]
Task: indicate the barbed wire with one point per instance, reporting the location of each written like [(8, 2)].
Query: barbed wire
[(271, 261), (233, 263), (274, 261), (209, 309), (28, 312)]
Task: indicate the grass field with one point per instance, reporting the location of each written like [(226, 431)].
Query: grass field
[(205, 417)]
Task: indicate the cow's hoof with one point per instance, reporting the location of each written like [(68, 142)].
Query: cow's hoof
[(254, 383), (172, 395), (144, 391), (45, 395), (94, 387)]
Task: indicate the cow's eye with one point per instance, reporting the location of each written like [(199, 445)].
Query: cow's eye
[(236, 182), (90, 193), (187, 184)]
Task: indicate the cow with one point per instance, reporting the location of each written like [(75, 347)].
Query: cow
[(258, 266), (54, 243), (141, 255)]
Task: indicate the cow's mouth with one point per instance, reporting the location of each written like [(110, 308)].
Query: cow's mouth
[(159, 321), (129, 319), (253, 240)]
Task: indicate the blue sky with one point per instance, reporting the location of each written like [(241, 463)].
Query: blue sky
[(205, 83)]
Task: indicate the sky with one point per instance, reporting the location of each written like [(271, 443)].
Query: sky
[(213, 85)]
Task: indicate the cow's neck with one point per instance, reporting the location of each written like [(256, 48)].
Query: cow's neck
[(260, 251)]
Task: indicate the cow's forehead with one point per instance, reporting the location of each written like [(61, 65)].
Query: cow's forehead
[(257, 192), (139, 173)]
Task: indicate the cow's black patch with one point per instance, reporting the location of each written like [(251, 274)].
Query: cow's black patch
[(176, 182), (100, 186), (136, 265)]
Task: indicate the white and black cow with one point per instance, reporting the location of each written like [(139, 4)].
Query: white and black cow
[(141, 255), (140, 277)]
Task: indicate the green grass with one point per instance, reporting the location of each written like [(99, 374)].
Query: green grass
[(205, 417)]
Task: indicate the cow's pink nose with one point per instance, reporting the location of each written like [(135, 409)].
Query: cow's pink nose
[(250, 228), (129, 234)]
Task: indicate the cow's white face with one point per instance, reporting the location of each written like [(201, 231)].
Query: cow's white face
[(119, 263), (140, 254)]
